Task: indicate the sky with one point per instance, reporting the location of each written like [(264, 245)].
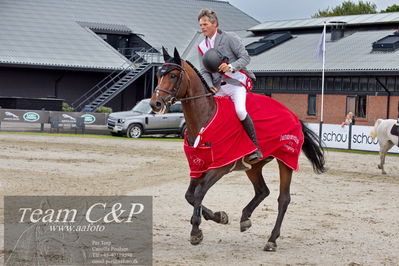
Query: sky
[(267, 10)]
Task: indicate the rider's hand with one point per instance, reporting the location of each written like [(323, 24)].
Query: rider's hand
[(214, 90), (224, 68)]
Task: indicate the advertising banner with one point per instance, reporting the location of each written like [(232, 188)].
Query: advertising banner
[(335, 136), (71, 117), (27, 116)]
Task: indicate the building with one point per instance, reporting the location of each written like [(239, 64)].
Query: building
[(82, 52)]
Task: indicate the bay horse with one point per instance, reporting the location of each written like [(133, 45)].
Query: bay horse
[(179, 80), (382, 131)]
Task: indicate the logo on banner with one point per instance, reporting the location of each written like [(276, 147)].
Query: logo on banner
[(89, 119), (335, 137), (68, 118), (31, 116), (364, 139), (11, 116)]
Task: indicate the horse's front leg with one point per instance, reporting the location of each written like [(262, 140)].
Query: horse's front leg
[(201, 187), (220, 217), (384, 148)]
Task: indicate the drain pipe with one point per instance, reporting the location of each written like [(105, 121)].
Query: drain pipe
[(389, 95)]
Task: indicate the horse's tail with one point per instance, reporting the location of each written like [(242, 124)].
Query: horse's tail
[(373, 132), (312, 150)]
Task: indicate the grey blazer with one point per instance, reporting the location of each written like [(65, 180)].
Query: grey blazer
[(231, 46)]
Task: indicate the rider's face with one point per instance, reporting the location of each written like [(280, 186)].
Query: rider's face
[(207, 28)]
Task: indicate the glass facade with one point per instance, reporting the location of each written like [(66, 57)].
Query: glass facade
[(301, 84)]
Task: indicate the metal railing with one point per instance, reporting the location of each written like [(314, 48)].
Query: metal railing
[(137, 56)]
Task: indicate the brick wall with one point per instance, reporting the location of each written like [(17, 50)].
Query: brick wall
[(335, 108)]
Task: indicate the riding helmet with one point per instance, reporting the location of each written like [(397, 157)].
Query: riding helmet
[(211, 60)]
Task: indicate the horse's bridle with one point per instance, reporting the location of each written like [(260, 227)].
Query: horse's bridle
[(166, 68)]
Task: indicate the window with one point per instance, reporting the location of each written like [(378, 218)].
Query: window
[(176, 108), (311, 104), (346, 83), (291, 83), (391, 83), (363, 84), (355, 84), (329, 84), (350, 104), (305, 84), (337, 83), (276, 83), (361, 104), (283, 83), (357, 105), (269, 83), (314, 84)]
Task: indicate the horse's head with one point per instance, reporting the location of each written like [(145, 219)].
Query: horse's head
[(170, 79)]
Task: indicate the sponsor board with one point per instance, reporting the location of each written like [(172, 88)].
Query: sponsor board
[(335, 136), (30, 116), (361, 140)]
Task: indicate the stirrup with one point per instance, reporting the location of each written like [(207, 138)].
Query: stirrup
[(256, 155)]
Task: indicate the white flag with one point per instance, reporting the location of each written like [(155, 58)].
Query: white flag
[(322, 45)]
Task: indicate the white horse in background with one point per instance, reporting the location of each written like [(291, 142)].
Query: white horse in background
[(382, 130)]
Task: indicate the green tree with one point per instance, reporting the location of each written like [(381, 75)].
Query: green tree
[(392, 8), (348, 8)]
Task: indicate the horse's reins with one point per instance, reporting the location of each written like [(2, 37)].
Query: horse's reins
[(175, 91)]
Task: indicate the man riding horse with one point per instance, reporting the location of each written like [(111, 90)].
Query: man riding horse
[(223, 63)]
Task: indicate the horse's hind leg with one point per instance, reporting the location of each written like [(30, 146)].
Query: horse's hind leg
[(261, 192), (283, 201), (384, 148)]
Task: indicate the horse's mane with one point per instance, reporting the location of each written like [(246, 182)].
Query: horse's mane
[(199, 75)]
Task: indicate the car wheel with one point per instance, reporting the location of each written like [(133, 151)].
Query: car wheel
[(134, 131), (183, 130)]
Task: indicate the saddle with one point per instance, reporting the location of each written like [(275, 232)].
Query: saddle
[(395, 131)]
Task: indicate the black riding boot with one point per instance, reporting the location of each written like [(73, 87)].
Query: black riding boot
[(250, 129)]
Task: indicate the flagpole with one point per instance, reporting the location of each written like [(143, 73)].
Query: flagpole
[(322, 83), (322, 75)]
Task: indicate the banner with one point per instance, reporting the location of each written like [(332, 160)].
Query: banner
[(335, 136), (35, 116)]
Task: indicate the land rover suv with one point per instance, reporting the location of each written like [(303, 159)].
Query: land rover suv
[(141, 120)]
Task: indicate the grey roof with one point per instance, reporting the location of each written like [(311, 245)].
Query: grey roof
[(352, 53), (382, 18), (48, 33)]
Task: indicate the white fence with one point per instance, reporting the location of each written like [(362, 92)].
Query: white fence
[(348, 137)]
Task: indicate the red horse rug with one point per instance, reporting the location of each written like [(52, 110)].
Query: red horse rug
[(224, 139)]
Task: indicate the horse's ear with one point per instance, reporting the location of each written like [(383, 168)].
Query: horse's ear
[(166, 56), (177, 58)]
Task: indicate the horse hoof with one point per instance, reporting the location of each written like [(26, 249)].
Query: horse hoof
[(379, 166), (270, 246), (245, 225), (223, 217), (384, 173), (195, 240)]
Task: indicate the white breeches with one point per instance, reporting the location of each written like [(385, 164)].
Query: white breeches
[(238, 95)]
